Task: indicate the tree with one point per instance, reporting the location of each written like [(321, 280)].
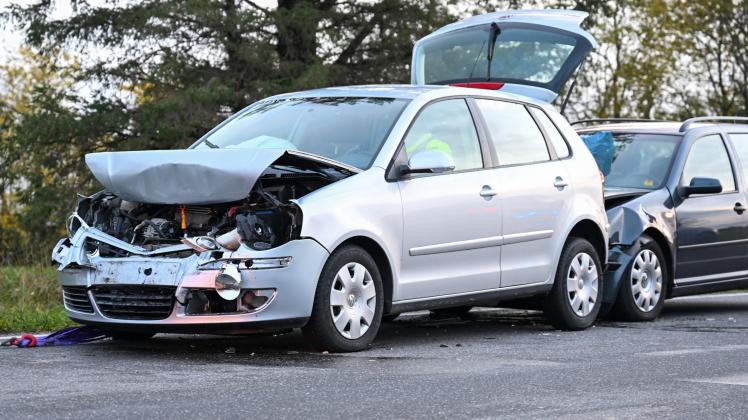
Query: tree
[(714, 33)]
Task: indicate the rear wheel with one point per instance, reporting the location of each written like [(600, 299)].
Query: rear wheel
[(642, 293), (348, 303), (574, 300)]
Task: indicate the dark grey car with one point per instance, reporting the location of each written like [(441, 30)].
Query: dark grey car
[(676, 197)]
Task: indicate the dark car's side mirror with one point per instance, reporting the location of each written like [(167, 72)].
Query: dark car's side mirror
[(429, 162), (702, 186)]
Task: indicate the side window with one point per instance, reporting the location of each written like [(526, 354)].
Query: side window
[(516, 137), (557, 140), (740, 141), (447, 126), (708, 159)]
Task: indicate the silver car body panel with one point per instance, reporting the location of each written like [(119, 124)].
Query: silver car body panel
[(435, 245)]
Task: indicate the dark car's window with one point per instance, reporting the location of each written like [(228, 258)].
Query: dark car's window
[(641, 160), (741, 145), (346, 129), (708, 159), (516, 137), (557, 140), (446, 126)]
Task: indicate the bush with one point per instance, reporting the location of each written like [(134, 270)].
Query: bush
[(30, 300)]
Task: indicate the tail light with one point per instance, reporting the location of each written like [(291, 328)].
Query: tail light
[(479, 85)]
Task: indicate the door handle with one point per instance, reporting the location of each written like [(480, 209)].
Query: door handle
[(739, 208), (487, 192), (560, 183)]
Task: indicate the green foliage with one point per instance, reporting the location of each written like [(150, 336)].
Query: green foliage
[(30, 300)]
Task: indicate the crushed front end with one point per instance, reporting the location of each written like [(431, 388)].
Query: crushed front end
[(232, 267)]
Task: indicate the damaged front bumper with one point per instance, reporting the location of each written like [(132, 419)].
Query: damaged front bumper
[(173, 289)]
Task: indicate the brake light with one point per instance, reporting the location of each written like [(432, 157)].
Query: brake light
[(479, 85)]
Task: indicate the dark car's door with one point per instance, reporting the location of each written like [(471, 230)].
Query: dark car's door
[(712, 237)]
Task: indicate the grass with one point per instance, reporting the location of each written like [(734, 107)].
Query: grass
[(30, 300)]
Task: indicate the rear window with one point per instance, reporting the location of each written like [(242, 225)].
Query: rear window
[(516, 137), (533, 56), (557, 140)]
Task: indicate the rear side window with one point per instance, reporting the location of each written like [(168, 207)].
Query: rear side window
[(516, 137), (557, 140), (740, 141), (708, 159), (446, 126)]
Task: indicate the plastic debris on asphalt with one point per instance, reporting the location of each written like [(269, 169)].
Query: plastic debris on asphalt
[(64, 337)]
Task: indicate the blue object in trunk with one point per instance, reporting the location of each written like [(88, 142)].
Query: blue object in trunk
[(602, 147)]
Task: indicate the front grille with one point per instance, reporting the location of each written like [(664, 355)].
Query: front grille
[(134, 302), (76, 299)]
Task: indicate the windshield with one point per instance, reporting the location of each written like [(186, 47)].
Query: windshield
[(345, 129), (521, 55), (641, 160)]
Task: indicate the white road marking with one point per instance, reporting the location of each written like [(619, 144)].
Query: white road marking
[(697, 350), (740, 379)]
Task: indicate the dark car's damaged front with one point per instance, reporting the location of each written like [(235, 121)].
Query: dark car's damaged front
[(638, 201)]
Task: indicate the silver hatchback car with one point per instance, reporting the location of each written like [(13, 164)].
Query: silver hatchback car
[(331, 209)]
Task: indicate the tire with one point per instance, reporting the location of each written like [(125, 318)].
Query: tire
[(575, 299), (351, 305), (455, 311), (642, 295)]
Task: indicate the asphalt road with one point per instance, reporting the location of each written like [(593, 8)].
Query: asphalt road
[(691, 363)]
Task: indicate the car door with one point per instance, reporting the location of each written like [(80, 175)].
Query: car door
[(452, 220), (535, 191), (712, 228)]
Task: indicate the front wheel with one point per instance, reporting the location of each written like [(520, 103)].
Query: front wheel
[(574, 300), (642, 293), (348, 302)]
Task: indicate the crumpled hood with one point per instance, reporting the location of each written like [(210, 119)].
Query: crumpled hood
[(204, 176), (615, 192)]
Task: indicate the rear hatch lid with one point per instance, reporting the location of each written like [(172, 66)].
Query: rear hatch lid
[(534, 52)]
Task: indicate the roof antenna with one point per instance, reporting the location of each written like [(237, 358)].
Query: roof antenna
[(571, 88)]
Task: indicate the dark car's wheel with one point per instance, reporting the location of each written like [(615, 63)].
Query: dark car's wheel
[(455, 311), (574, 300), (642, 293), (348, 303)]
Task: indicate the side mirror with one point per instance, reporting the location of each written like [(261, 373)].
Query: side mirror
[(702, 186), (429, 162)]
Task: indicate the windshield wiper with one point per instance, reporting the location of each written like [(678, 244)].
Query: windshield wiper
[(492, 35), (211, 145)]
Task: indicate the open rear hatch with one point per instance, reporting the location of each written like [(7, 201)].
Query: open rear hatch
[(528, 52)]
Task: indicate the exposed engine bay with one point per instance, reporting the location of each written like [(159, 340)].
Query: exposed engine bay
[(266, 218)]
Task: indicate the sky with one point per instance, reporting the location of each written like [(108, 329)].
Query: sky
[(12, 39)]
